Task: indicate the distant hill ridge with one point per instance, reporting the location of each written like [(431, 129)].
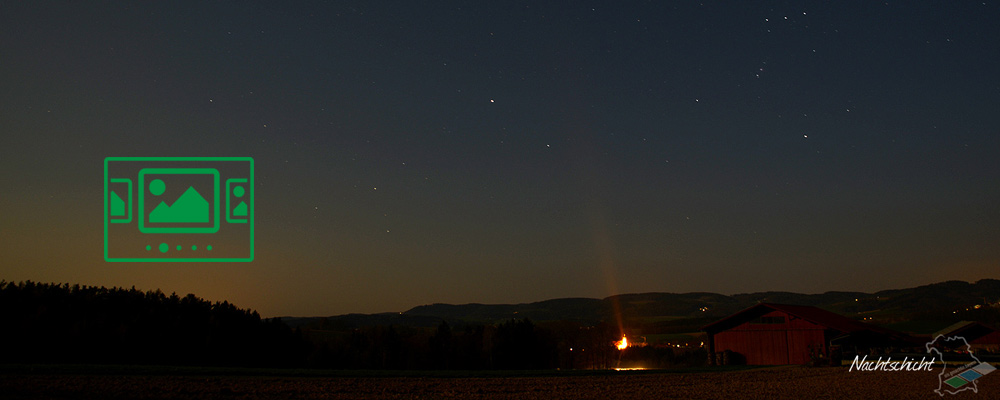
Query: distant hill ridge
[(934, 301)]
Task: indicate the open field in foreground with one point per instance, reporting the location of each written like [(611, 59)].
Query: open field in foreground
[(764, 383)]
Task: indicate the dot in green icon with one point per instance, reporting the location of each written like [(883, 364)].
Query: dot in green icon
[(163, 247), (157, 187)]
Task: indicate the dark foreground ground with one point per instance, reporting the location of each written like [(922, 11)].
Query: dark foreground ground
[(763, 383)]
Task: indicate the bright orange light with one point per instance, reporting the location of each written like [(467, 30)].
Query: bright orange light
[(622, 344)]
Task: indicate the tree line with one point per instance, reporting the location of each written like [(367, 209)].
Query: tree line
[(53, 323), (62, 323)]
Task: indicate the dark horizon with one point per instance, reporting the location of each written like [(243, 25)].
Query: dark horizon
[(779, 294), (80, 325)]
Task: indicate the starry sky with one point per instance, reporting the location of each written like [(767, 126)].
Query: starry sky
[(502, 152)]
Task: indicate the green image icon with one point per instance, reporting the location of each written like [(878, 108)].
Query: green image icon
[(121, 210), (189, 208), (117, 205), (241, 209), (157, 187), (236, 214), (170, 209)]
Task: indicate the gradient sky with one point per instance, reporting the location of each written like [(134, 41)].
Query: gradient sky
[(502, 152)]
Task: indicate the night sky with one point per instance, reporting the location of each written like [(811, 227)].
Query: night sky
[(502, 152)]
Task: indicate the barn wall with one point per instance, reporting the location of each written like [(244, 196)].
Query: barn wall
[(773, 343), (991, 338), (759, 347), (802, 344)]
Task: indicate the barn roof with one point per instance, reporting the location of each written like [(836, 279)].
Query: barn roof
[(812, 314), (971, 330)]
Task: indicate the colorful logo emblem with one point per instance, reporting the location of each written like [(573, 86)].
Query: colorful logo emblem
[(963, 377)]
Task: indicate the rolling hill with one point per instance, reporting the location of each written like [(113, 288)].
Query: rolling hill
[(920, 309)]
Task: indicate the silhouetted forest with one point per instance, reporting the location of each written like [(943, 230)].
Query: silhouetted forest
[(59, 323), (52, 323)]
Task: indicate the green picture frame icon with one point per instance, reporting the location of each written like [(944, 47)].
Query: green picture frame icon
[(190, 195), (178, 215)]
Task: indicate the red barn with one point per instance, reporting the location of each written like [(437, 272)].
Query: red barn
[(774, 334)]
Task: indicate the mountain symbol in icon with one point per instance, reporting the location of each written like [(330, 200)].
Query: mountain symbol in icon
[(117, 205), (188, 208)]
